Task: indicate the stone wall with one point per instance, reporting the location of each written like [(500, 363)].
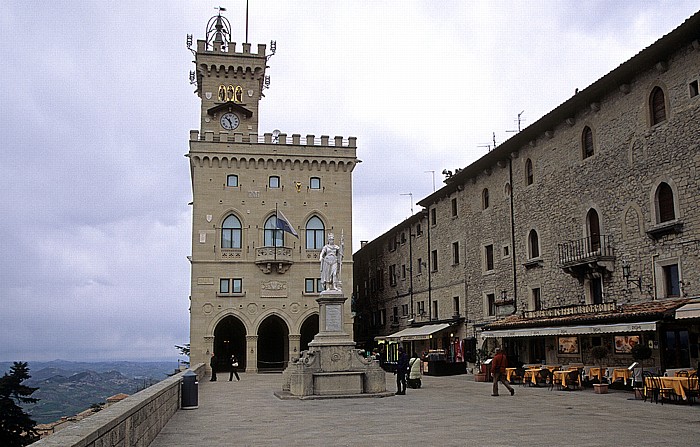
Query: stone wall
[(133, 422)]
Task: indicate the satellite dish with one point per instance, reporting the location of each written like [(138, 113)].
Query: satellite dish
[(276, 136)]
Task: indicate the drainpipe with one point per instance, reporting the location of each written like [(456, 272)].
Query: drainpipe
[(512, 235)]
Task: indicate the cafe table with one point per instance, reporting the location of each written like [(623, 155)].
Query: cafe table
[(679, 385), (531, 374), (596, 372), (509, 373), (562, 376), (621, 373)]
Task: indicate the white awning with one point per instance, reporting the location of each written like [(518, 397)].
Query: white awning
[(690, 310), (415, 333), (572, 330)]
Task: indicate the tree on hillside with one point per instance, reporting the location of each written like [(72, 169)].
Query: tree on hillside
[(16, 426), (184, 350)]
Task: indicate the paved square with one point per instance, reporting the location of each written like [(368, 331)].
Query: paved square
[(446, 411)]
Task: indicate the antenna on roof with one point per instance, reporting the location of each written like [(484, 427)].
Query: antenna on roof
[(519, 119)]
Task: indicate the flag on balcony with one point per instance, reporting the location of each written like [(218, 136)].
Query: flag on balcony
[(284, 225)]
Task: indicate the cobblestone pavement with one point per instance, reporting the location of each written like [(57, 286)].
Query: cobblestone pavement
[(446, 411)]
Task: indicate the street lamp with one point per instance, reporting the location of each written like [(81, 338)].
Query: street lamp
[(626, 273)]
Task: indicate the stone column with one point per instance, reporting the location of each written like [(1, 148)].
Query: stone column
[(251, 353)]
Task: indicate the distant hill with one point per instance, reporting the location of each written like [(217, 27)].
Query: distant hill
[(67, 388)]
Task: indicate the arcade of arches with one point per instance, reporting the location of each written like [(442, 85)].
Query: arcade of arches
[(268, 350)]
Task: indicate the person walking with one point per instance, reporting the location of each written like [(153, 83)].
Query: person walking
[(401, 369), (212, 363), (498, 369), (234, 368)]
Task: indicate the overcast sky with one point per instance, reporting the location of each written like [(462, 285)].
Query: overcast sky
[(96, 108)]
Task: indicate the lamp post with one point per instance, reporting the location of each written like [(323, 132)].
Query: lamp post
[(626, 273)]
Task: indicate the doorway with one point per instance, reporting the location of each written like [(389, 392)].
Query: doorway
[(308, 331), (229, 339), (273, 344)]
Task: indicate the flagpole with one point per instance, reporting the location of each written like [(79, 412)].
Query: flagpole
[(274, 235), (246, 21)]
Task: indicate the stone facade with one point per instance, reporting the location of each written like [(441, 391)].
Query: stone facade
[(254, 285), (545, 220)]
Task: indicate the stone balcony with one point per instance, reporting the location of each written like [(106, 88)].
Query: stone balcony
[(268, 257)]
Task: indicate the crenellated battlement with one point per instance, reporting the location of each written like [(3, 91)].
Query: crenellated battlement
[(268, 138), (229, 49)]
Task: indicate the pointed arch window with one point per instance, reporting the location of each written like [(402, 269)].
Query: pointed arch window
[(315, 231), (657, 106), (273, 237), (485, 198), (587, 142), (231, 232), (529, 176), (664, 203), (533, 244)]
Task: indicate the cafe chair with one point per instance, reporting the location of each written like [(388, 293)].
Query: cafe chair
[(682, 373), (693, 390), (547, 377), (573, 379)]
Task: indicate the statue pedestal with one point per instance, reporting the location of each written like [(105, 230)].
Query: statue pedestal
[(332, 367)]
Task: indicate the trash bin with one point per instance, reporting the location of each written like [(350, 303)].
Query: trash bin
[(189, 391)]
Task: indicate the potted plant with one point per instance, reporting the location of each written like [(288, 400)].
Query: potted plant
[(640, 352), (480, 373), (599, 353)]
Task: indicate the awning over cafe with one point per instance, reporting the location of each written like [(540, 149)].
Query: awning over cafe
[(572, 330), (690, 310), (415, 333)]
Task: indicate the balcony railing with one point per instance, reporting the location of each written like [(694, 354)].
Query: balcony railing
[(585, 249)]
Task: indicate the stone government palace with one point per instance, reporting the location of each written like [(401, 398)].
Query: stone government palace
[(583, 229)]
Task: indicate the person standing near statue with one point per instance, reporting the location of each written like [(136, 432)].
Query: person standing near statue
[(331, 262), (401, 370), (212, 363)]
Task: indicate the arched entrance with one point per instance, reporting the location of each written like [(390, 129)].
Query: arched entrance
[(273, 344), (229, 339), (308, 331)]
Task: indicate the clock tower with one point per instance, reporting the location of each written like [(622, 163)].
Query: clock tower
[(262, 210)]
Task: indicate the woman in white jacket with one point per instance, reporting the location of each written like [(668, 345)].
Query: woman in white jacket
[(414, 371)]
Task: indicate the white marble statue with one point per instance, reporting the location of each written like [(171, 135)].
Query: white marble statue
[(331, 263)]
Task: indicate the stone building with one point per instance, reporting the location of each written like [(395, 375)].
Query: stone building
[(583, 229), (262, 209)]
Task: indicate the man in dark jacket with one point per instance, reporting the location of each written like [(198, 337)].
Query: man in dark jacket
[(213, 362), (498, 369), (401, 369)]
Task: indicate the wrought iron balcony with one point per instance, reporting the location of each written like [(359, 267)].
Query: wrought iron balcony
[(588, 254)]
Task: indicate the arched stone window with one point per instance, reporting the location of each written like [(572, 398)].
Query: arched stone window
[(587, 148), (274, 237), (664, 203), (529, 176), (315, 231), (533, 245), (657, 106), (231, 232), (485, 198)]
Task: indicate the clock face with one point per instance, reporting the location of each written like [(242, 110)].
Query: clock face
[(230, 121)]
